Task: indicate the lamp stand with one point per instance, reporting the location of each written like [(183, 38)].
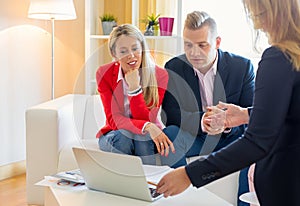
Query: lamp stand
[(52, 60), (52, 10)]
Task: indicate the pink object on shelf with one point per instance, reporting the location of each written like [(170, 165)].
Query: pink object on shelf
[(166, 26)]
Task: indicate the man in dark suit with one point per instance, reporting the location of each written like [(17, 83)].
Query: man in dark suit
[(202, 77)]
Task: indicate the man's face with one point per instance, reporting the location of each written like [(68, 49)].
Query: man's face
[(200, 48)]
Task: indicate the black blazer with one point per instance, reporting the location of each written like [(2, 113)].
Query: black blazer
[(234, 83), (272, 139)]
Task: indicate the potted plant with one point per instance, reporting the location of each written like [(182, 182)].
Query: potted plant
[(152, 24), (109, 21)]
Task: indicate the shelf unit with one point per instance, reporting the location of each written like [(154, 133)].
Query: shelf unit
[(96, 48)]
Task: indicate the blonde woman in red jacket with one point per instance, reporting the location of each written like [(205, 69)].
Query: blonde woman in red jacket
[(132, 89)]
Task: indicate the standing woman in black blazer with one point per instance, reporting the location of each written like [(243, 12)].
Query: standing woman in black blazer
[(272, 139)]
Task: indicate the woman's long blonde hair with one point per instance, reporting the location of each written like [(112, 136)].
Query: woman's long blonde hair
[(282, 18), (147, 69)]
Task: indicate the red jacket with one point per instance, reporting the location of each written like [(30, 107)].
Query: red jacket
[(112, 96)]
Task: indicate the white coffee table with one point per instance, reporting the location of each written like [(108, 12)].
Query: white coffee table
[(191, 197)]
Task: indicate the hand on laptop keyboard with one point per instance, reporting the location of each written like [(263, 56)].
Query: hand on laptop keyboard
[(153, 192)]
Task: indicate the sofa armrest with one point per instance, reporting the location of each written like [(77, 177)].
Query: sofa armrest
[(49, 127)]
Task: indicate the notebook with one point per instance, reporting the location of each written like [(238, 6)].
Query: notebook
[(117, 174)]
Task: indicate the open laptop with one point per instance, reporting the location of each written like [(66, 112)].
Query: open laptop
[(115, 173)]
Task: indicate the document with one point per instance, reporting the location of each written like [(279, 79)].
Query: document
[(72, 175), (154, 173)]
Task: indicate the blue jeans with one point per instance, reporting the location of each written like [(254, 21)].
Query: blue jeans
[(187, 145), (243, 186), (125, 142)]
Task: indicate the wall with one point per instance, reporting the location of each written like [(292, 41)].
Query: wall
[(25, 65), (120, 11)]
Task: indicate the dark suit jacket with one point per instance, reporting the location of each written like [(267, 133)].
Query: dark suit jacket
[(272, 138), (234, 83)]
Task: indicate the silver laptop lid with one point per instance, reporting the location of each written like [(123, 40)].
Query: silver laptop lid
[(113, 173)]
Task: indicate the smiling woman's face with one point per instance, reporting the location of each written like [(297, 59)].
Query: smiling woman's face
[(128, 52)]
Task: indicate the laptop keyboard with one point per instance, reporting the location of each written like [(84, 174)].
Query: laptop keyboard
[(153, 192)]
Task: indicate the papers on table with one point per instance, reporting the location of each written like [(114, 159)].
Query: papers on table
[(55, 182), (72, 175), (69, 180), (155, 173)]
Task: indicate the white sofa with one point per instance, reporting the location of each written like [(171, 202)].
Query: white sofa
[(54, 127)]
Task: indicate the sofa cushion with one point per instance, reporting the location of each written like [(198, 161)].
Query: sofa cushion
[(66, 158), (94, 117)]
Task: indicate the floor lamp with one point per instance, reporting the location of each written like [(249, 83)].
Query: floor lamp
[(52, 10)]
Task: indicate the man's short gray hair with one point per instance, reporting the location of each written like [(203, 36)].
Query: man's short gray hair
[(199, 19)]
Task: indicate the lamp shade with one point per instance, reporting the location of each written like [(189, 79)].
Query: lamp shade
[(52, 9)]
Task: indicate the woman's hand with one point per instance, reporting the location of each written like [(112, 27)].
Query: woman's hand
[(235, 115), (162, 142), (174, 182), (132, 78)]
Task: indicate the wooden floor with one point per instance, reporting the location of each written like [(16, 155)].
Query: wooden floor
[(13, 191)]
